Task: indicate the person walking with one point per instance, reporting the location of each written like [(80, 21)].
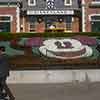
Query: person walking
[(4, 70)]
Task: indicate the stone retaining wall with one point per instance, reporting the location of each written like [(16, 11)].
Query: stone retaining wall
[(54, 76)]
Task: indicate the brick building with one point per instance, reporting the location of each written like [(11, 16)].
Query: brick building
[(44, 15), (9, 16), (91, 15)]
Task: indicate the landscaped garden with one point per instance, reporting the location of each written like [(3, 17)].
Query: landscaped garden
[(27, 49)]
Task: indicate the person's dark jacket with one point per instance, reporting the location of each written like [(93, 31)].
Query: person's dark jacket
[(4, 65)]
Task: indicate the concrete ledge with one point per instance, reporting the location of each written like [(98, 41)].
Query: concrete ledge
[(56, 76)]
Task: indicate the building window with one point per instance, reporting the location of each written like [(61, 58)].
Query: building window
[(96, 0), (94, 17), (68, 2), (69, 23), (4, 19), (31, 2), (32, 27), (95, 22), (32, 21), (5, 22)]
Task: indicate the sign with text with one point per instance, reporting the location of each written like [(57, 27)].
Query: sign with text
[(51, 12)]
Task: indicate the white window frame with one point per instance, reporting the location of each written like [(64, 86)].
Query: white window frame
[(96, 2), (11, 18), (93, 15), (68, 4), (31, 4)]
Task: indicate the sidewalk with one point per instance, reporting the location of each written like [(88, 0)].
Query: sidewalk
[(56, 91)]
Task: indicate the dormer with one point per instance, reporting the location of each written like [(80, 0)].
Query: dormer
[(68, 2), (31, 2)]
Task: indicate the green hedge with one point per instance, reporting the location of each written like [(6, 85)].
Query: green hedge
[(46, 34)]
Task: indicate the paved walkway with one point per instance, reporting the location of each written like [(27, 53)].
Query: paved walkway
[(56, 91)]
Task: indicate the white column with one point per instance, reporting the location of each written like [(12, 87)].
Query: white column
[(23, 24), (18, 19), (83, 15)]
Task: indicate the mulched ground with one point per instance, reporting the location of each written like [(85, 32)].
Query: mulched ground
[(41, 62)]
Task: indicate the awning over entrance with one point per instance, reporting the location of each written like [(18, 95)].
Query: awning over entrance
[(50, 12)]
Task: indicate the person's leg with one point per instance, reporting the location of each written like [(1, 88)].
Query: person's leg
[(1, 86)]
